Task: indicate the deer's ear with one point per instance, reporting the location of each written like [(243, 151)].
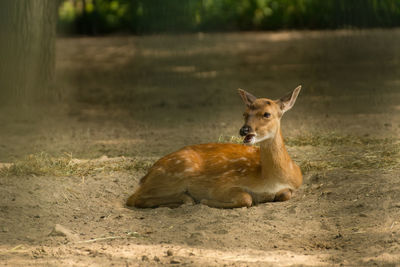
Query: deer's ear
[(287, 102), (247, 98)]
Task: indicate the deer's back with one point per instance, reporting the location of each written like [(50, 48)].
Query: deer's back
[(208, 162)]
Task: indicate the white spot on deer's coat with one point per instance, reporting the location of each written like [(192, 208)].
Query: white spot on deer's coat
[(189, 170), (239, 159), (242, 171), (251, 148), (160, 169), (228, 172), (178, 161)]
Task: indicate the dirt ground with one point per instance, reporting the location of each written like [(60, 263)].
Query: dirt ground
[(126, 101)]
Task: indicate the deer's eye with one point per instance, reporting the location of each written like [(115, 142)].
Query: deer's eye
[(267, 115)]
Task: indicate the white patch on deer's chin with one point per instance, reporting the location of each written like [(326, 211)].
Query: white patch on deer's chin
[(258, 139)]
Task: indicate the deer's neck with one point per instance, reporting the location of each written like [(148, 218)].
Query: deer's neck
[(274, 156)]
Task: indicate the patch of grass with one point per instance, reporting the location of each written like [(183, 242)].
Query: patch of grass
[(346, 152), (357, 162), (350, 152), (333, 139), (342, 151), (43, 164), (374, 157), (230, 139), (307, 166), (325, 139)]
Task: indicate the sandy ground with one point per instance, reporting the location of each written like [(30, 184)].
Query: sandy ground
[(130, 100)]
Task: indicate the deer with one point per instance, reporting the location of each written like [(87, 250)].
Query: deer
[(227, 175)]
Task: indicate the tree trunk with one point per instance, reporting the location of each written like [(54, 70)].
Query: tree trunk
[(27, 47)]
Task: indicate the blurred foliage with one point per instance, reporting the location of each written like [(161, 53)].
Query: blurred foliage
[(150, 16)]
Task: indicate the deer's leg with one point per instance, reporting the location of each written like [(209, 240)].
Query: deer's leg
[(283, 195), (233, 198), (171, 201), (182, 199)]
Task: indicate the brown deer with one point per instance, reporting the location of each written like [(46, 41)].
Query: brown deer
[(228, 175)]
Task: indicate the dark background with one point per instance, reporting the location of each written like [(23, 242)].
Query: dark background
[(154, 16)]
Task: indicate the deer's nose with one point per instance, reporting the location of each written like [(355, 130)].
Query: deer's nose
[(245, 130)]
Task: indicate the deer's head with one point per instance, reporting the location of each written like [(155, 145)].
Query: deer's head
[(262, 116)]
